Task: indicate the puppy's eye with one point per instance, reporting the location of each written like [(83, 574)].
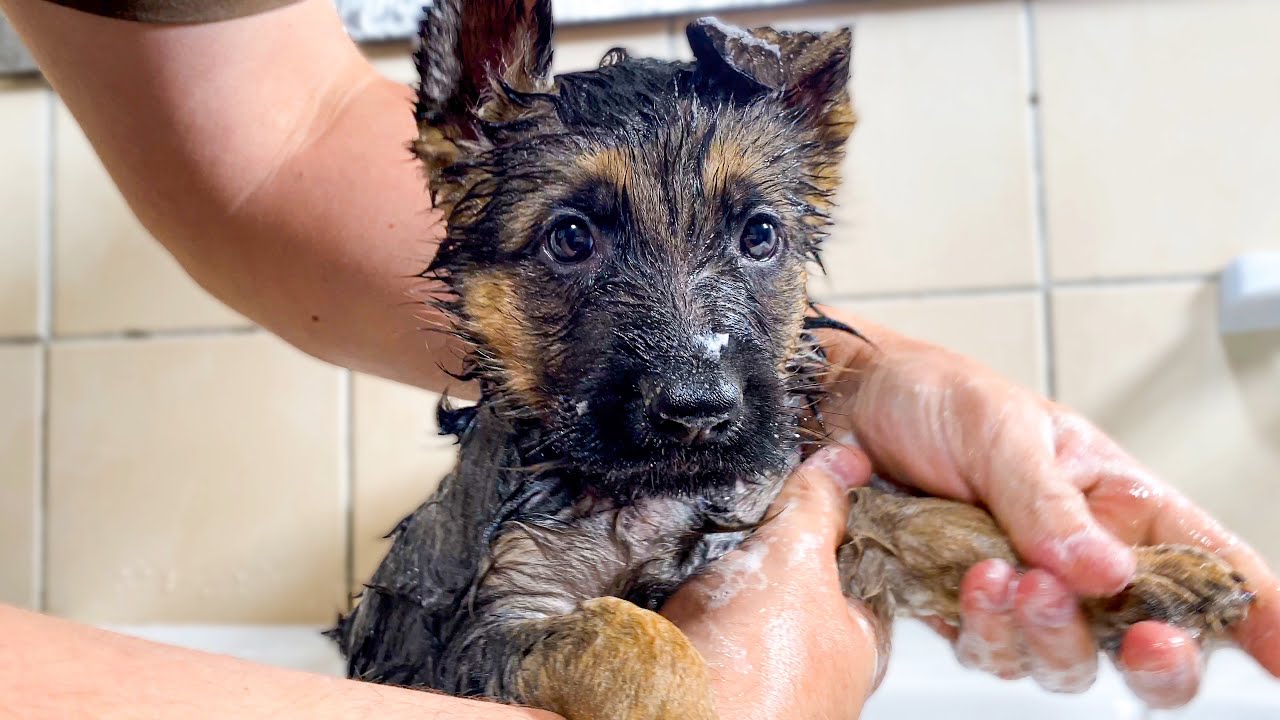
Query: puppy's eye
[(760, 238), (570, 241)]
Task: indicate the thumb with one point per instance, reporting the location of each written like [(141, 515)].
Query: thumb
[(816, 495)]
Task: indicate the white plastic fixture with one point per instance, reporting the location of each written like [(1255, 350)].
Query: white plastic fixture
[(1250, 293)]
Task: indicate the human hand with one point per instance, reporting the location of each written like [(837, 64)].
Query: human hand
[(1071, 500), (777, 632)]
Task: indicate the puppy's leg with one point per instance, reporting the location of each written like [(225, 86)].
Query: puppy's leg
[(908, 555), (611, 660), (543, 629)]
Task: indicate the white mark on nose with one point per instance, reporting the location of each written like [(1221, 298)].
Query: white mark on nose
[(714, 344)]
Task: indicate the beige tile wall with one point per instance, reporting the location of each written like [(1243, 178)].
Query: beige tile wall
[(1047, 186), (101, 252), (195, 472), (1161, 151), (24, 143), (19, 472)]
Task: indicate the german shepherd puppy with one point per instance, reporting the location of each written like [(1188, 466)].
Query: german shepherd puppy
[(627, 258)]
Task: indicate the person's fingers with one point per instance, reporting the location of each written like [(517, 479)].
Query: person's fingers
[(1062, 654), (948, 633), (818, 649), (1124, 496), (989, 639), (1141, 510), (1259, 633), (1051, 527), (816, 496), (843, 465), (1161, 664), (1045, 515), (873, 633)]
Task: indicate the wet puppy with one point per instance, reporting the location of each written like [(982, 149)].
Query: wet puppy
[(626, 258)]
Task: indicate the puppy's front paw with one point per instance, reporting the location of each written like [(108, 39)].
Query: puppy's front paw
[(611, 660), (1178, 584)]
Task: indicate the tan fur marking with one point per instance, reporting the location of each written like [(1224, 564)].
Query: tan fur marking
[(800, 309), (840, 122), (610, 660), (618, 167), (493, 310), (728, 160), (434, 149), (612, 165)]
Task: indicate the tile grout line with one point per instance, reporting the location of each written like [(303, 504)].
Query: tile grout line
[(1133, 281), (937, 294), (174, 334), (346, 465), (951, 293), (44, 313), (1038, 198)]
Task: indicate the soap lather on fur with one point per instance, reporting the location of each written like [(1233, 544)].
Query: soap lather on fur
[(627, 257)]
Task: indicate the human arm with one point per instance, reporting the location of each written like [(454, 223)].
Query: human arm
[(51, 668), (270, 158)]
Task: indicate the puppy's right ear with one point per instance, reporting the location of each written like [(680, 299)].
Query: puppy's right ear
[(471, 54)]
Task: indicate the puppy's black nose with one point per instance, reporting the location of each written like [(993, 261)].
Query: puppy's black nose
[(693, 412)]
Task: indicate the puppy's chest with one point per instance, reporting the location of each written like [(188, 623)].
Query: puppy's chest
[(640, 550)]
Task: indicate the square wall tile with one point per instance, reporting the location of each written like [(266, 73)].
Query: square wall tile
[(937, 186), (195, 480), (1160, 144), (24, 140), (19, 448), (110, 275), (398, 459), (1003, 331), (1146, 363)]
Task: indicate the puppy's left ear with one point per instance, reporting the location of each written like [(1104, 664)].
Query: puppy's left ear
[(809, 70)]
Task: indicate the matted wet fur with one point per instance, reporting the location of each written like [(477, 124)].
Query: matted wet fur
[(626, 255)]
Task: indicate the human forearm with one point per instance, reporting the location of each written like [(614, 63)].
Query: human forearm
[(270, 159), (51, 668)]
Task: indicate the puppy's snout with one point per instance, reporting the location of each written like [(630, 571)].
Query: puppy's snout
[(693, 411)]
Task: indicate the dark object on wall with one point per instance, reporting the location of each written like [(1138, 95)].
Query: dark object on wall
[(14, 59), (374, 21)]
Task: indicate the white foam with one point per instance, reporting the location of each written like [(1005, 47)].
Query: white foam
[(714, 344), (744, 37), (1074, 679), (804, 550), (725, 655), (975, 651), (743, 570)]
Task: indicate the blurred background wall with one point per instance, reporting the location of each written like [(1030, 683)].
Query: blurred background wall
[(1050, 186)]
